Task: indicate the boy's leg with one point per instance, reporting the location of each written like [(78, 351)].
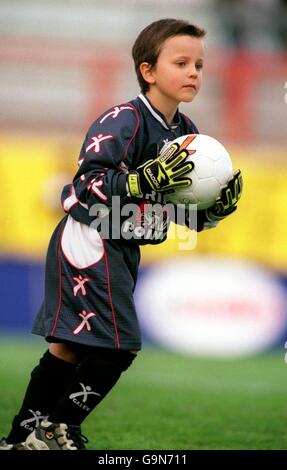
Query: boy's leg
[(47, 384), (95, 376)]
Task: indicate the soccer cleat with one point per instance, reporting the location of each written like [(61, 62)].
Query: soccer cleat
[(56, 436), (4, 445)]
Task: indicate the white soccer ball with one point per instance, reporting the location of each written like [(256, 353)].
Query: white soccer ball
[(212, 169)]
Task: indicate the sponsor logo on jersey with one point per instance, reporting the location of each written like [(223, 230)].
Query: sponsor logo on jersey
[(115, 112), (96, 141), (80, 287), (85, 322), (95, 186)]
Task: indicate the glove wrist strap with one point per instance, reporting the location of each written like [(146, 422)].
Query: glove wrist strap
[(134, 184)]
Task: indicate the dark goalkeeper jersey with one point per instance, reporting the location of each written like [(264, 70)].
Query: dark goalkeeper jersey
[(91, 274), (120, 140)]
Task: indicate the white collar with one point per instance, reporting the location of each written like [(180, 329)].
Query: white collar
[(153, 112)]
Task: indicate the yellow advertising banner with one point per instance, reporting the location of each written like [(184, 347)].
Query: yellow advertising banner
[(34, 170)]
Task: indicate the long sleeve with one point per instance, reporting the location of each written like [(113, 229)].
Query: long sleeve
[(108, 147)]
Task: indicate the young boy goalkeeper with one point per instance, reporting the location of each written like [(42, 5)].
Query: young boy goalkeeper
[(88, 315)]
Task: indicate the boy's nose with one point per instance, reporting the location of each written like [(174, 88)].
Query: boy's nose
[(193, 71)]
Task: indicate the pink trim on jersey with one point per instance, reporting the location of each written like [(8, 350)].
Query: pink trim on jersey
[(134, 134), (111, 302), (60, 287)]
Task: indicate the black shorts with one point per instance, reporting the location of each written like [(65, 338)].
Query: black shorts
[(89, 285)]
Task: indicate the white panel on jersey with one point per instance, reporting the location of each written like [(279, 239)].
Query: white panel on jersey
[(70, 202), (81, 244)]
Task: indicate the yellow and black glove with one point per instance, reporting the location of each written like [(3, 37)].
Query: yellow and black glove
[(162, 173), (225, 204)]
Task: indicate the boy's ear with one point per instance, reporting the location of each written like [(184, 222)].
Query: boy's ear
[(147, 72)]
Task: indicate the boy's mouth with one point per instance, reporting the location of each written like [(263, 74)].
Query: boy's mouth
[(190, 86)]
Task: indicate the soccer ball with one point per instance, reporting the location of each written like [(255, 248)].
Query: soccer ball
[(212, 169)]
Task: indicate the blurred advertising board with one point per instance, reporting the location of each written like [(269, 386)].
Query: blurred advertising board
[(211, 306)]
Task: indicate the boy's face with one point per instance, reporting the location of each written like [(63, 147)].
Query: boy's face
[(177, 75)]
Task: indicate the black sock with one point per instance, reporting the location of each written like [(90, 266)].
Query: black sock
[(96, 374), (48, 382)]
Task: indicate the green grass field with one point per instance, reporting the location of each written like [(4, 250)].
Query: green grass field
[(168, 401)]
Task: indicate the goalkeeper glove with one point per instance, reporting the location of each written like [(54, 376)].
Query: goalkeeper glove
[(162, 173), (225, 204)]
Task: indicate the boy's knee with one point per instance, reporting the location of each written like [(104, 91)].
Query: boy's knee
[(64, 351)]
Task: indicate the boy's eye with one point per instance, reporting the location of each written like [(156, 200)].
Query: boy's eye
[(199, 66), (181, 64)]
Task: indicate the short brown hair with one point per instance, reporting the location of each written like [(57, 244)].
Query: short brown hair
[(148, 43)]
